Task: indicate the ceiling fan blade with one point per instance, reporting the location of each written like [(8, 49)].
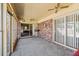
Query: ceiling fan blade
[(58, 4), (64, 7), (50, 9)]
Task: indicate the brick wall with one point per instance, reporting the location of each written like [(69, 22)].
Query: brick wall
[(45, 30)]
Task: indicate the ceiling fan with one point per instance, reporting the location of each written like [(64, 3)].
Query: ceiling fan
[(32, 19), (22, 19), (57, 7)]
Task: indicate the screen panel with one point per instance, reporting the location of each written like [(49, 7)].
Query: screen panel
[(70, 31), (60, 30), (76, 31), (8, 33)]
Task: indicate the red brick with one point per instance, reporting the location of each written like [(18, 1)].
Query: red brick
[(45, 30)]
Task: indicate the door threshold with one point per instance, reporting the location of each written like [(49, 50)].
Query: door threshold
[(73, 49)]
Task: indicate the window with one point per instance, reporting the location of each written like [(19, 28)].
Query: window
[(70, 30), (67, 30), (60, 32), (77, 31)]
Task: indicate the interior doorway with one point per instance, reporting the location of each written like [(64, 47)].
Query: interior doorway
[(26, 30)]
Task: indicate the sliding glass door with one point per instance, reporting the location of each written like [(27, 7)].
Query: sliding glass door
[(60, 30), (73, 31), (76, 31), (67, 30), (70, 30)]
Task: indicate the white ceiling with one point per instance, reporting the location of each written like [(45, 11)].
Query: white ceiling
[(35, 11)]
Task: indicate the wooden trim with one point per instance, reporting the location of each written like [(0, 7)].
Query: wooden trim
[(12, 10), (9, 10), (15, 44)]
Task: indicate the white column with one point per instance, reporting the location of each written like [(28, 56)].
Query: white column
[(65, 29), (53, 30), (4, 30), (33, 29), (0, 31)]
